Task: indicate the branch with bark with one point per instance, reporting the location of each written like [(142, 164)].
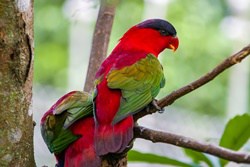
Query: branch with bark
[(100, 39), (186, 142)]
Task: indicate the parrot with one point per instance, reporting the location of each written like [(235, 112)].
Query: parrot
[(81, 128), (68, 130), (128, 81)]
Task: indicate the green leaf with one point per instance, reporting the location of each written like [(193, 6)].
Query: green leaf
[(198, 157), (236, 134), (136, 156)]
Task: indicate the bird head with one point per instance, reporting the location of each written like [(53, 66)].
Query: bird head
[(153, 36)]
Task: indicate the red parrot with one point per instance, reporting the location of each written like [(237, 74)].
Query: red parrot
[(126, 82), (129, 80), (68, 130)]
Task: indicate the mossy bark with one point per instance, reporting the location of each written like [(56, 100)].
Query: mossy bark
[(16, 73)]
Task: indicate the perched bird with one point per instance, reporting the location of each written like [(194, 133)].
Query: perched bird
[(129, 80), (79, 129), (68, 130)]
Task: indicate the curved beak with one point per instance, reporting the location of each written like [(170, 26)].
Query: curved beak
[(174, 44)]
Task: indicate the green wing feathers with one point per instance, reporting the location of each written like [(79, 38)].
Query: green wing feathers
[(56, 138), (78, 105), (67, 110), (140, 83)]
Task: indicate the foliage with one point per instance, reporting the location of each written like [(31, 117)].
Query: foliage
[(136, 156), (236, 133), (198, 157)]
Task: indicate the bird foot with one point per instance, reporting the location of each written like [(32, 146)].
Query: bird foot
[(152, 105), (158, 108)]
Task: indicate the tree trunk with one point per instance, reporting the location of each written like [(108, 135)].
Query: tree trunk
[(16, 73)]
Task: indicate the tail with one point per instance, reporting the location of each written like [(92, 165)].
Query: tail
[(113, 138), (82, 152)]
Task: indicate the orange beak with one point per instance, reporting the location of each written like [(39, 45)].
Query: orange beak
[(172, 47)]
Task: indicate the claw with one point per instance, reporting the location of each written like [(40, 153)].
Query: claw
[(142, 129), (158, 108)]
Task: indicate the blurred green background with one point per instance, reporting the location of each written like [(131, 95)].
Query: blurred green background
[(209, 31), (51, 43)]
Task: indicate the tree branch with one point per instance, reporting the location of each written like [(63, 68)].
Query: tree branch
[(169, 99), (100, 40), (178, 140)]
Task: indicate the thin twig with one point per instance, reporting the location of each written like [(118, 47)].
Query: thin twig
[(169, 99), (182, 141)]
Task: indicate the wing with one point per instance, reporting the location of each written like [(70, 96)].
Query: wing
[(139, 83), (66, 111), (78, 105)]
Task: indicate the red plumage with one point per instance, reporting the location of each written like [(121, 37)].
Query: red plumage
[(135, 45), (69, 129), (109, 138), (82, 152)]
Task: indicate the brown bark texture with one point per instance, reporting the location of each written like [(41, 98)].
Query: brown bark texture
[(16, 73), (186, 142), (100, 41)]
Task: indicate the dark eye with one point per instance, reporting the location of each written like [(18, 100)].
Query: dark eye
[(163, 32)]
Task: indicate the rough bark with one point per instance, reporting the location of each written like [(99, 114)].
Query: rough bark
[(100, 41), (16, 73)]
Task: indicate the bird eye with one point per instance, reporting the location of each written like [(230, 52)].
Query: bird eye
[(163, 32)]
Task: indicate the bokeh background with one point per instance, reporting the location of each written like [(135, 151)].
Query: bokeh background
[(208, 30)]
